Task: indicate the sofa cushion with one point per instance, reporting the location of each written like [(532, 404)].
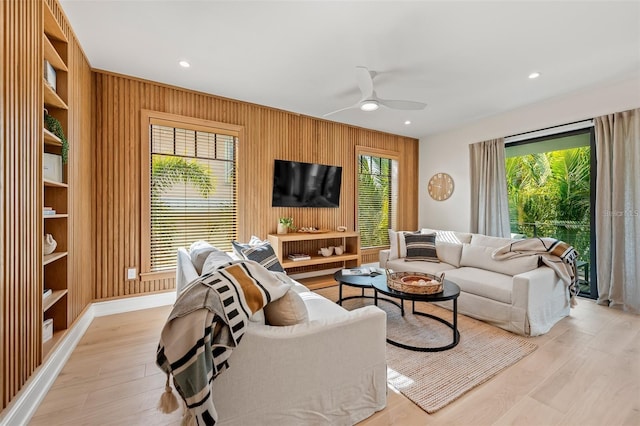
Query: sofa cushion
[(199, 251), (449, 244), (481, 257), (264, 255), (321, 308), (483, 283), (454, 237), (421, 247), (488, 241), (449, 252), (288, 310), (215, 259)]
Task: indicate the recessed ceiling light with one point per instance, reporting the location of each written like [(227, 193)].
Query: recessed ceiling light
[(534, 75), (369, 106), (407, 122), (184, 64)]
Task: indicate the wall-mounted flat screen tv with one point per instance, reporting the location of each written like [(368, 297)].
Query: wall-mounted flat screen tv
[(298, 184)]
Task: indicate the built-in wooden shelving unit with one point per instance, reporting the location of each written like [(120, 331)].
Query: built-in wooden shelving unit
[(310, 243), (55, 193)]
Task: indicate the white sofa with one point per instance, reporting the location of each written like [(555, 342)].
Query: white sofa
[(516, 295), (330, 370)]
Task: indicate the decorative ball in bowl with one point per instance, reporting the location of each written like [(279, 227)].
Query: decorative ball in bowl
[(326, 251)]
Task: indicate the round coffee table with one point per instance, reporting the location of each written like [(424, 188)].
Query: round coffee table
[(362, 282), (450, 291)]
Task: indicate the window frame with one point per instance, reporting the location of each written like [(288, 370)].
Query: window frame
[(149, 117), (383, 153)]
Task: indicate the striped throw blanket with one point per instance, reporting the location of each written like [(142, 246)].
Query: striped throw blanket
[(207, 322), (556, 254)]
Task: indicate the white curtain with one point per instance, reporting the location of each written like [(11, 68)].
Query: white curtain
[(489, 198), (618, 209)]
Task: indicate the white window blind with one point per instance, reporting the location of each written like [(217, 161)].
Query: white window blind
[(377, 199), (192, 191)]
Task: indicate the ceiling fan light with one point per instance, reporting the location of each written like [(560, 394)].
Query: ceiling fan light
[(369, 106)]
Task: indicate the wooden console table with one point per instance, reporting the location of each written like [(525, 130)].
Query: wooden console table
[(310, 243)]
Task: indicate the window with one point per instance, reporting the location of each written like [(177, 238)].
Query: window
[(377, 182), (190, 194)]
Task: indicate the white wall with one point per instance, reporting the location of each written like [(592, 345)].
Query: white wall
[(449, 152)]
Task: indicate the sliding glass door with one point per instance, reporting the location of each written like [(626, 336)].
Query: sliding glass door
[(550, 183)]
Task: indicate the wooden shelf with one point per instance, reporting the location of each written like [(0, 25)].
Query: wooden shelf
[(306, 236), (51, 98), (52, 56), (55, 216), (51, 139), (55, 271), (319, 260), (49, 258), (51, 27), (55, 184), (285, 244), (51, 300), (51, 343)]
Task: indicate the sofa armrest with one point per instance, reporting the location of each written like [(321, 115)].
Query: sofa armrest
[(288, 372), (543, 296), (185, 271), (383, 257)]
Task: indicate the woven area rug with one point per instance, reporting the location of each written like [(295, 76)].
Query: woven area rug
[(434, 379)]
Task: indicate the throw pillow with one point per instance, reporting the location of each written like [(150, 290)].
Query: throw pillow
[(288, 310), (215, 260), (238, 247), (258, 285), (397, 245), (264, 255), (421, 247), (199, 251)]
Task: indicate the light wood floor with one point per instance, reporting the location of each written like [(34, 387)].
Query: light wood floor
[(586, 371)]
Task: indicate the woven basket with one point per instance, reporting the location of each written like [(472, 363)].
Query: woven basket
[(415, 282)]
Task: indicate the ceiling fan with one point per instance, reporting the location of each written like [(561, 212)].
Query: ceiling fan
[(370, 100)]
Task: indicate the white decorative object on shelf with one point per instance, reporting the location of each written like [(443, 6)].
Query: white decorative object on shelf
[(341, 228), (49, 244), (282, 229), (50, 75), (47, 329), (339, 250), (52, 167), (326, 251)]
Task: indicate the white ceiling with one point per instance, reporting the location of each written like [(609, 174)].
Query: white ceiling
[(466, 60)]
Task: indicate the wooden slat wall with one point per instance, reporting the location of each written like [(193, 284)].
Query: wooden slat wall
[(81, 223), (268, 134), (20, 178), (21, 297)]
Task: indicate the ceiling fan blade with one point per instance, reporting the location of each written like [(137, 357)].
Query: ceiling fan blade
[(365, 81), (406, 105), (342, 109)]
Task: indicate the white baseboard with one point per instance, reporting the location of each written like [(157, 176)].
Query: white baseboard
[(129, 304), (25, 404)]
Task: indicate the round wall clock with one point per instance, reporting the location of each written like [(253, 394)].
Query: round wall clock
[(440, 186)]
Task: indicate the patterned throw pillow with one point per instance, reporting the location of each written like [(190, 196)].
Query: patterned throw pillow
[(421, 247), (264, 255), (238, 247)]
